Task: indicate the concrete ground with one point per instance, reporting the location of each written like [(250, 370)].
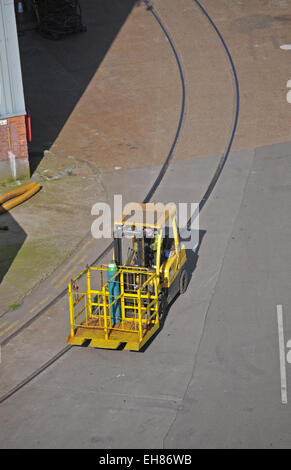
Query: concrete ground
[(211, 377), (95, 104), (118, 85), (234, 396), (146, 388)]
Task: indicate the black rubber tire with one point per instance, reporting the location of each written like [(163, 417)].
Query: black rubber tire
[(163, 305), (183, 283)]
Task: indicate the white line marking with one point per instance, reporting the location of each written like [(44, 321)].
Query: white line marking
[(282, 354), (285, 47), (288, 346)]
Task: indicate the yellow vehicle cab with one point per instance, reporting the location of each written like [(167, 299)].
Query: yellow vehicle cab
[(123, 303)]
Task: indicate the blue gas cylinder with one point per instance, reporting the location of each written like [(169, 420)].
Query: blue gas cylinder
[(114, 291)]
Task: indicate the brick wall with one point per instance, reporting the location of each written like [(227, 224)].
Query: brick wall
[(13, 139)]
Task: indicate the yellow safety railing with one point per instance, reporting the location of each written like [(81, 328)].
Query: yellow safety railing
[(91, 303)]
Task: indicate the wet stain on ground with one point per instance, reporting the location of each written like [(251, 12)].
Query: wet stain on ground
[(246, 24)]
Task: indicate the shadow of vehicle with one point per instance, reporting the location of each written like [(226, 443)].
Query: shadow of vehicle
[(191, 263)]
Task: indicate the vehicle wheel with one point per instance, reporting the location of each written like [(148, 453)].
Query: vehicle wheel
[(163, 304), (183, 281)]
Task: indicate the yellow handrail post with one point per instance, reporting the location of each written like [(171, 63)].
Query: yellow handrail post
[(134, 311), (71, 303), (148, 305), (158, 255), (90, 310), (101, 279), (105, 312), (89, 300), (157, 302), (122, 296), (139, 314)]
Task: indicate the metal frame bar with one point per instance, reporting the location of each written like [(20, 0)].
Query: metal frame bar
[(104, 303)]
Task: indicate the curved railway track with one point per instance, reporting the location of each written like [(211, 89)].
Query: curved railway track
[(151, 191), (157, 181)]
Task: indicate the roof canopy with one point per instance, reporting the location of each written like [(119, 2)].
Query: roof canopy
[(146, 215)]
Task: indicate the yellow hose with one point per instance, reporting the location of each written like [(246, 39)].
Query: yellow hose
[(16, 192), (17, 196)]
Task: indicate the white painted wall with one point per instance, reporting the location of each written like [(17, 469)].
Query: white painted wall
[(11, 88)]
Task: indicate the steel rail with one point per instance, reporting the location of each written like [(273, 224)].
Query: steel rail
[(226, 153), (152, 189), (157, 182), (110, 246), (38, 371)]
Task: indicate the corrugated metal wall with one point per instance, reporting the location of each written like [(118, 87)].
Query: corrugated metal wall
[(11, 88)]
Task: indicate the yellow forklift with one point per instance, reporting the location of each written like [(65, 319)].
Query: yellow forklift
[(122, 303)]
